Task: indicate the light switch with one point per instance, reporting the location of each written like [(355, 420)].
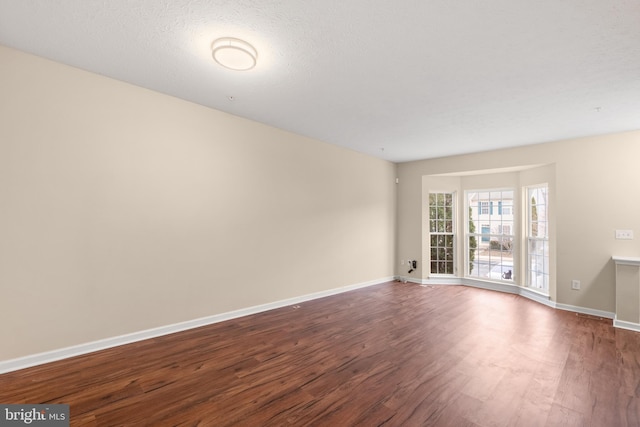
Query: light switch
[(624, 234)]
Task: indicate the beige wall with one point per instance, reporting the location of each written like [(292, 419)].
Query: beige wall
[(122, 209), (594, 193)]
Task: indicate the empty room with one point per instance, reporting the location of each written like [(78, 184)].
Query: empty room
[(357, 213)]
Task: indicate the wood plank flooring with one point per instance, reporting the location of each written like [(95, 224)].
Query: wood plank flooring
[(388, 355)]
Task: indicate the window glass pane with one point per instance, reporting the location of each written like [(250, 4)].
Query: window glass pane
[(474, 259), (534, 229), (449, 268), (448, 241), (449, 254)]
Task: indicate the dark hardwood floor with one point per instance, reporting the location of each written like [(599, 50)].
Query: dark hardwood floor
[(393, 354)]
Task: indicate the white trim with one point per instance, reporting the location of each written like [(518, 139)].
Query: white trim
[(405, 279), (537, 297), (90, 347), (623, 260), (495, 286), (626, 325), (532, 295), (441, 281), (584, 310), (492, 286), (511, 289)]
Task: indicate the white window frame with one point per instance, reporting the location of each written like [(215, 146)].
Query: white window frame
[(542, 274), (511, 276), (452, 235)]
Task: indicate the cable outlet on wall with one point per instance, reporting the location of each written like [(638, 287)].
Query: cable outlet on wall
[(575, 285)]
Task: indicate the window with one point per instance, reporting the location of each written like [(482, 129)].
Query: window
[(486, 231), (490, 240), (538, 238), (484, 208), (441, 232)]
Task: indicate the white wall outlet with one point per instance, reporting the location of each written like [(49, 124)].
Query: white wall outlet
[(575, 285), (624, 234), (401, 262)]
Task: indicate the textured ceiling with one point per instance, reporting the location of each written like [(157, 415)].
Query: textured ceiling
[(400, 80)]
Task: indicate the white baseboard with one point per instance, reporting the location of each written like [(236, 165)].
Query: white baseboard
[(405, 279), (626, 325), (588, 311), (430, 281), (538, 297), (527, 293), (492, 286), (90, 347), (441, 281)]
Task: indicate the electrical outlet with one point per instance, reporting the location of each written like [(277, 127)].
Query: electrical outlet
[(401, 262), (575, 285), (624, 234)]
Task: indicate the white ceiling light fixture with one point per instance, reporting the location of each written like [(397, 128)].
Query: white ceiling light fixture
[(234, 54)]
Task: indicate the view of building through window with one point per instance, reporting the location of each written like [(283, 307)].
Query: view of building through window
[(490, 236), (490, 239)]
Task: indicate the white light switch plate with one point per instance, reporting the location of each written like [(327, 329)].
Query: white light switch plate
[(624, 234)]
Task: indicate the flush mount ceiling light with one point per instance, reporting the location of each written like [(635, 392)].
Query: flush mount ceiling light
[(234, 54)]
